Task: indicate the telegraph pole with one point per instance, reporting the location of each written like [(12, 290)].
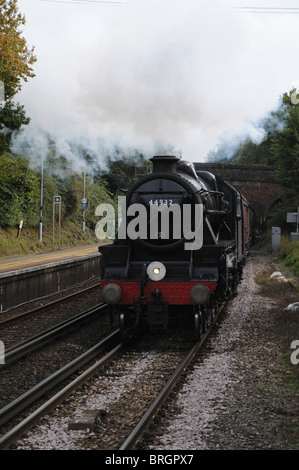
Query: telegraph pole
[(41, 202)]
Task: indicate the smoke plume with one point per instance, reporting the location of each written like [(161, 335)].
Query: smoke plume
[(153, 76)]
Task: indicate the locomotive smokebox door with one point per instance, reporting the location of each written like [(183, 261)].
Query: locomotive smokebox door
[(157, 314)]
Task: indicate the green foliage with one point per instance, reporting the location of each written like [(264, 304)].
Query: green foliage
[(120, 172), (28, 242), (285, 147), (21, 186), (289, 252), (280, 147), (257, 154), (12, 118), (96, 194), (19, 190)]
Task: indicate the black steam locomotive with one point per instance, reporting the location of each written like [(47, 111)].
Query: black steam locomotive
[(179, 251)]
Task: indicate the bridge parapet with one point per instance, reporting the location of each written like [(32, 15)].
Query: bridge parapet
[(235, 172), (256, 182)]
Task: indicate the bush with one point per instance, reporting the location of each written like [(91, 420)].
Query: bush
[(19, 198), (289, 252), (20, 193)]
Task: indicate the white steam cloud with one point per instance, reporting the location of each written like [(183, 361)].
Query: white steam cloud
[(167, 75)]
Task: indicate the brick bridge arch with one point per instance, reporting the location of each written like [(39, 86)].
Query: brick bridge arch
[(256, 182)]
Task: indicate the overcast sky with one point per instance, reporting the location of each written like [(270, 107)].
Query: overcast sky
[(172, 75)]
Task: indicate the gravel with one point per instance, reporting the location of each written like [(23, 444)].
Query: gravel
[(234, 397), (53, 433)]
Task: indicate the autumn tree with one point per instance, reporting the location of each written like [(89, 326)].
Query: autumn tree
[(16, 67)]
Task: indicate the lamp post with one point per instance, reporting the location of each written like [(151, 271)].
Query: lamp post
[(84, 200), (41, 202)]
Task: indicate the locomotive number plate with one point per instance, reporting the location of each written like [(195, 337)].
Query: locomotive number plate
[(161, 202)]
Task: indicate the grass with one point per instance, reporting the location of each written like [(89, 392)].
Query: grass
[(283, 293), (286, 329), (289, 253), (286, 323), (28, 240)]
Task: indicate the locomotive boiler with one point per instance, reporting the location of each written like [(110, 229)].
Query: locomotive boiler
[(179, 251)]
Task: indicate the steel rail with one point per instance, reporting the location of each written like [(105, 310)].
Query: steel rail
[(11, 435), (43, 307), (44, 338), (28, 398), (151, 412)]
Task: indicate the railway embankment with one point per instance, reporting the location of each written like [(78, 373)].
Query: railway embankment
[(243, 392), (18, 242)]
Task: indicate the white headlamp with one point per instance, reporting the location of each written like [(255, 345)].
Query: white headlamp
[(156, 271)]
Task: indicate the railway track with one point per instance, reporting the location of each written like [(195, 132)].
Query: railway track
[(157, 403), (32, 361), (41, 315), (145, 381), (29, 398), (25, 358), (46, 337)]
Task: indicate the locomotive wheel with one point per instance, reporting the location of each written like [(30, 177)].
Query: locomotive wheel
[(129, 322)]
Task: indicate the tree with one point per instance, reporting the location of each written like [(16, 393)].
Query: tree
[(280, 147), (16, 61), (12, 118), (121, 171), (286, 148), (259, 154)]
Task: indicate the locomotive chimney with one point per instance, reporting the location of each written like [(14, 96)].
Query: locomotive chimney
[(165, 164)]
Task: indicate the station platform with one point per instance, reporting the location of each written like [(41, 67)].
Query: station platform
[(17, 263), (29, 277)]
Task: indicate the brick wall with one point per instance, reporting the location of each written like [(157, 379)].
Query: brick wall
[(256, 182)]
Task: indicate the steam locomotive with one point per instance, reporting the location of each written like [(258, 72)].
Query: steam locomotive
[(179, 251)]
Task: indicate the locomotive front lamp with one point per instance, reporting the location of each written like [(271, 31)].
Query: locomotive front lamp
[(156, 271), (200, 294), (111, 294)]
